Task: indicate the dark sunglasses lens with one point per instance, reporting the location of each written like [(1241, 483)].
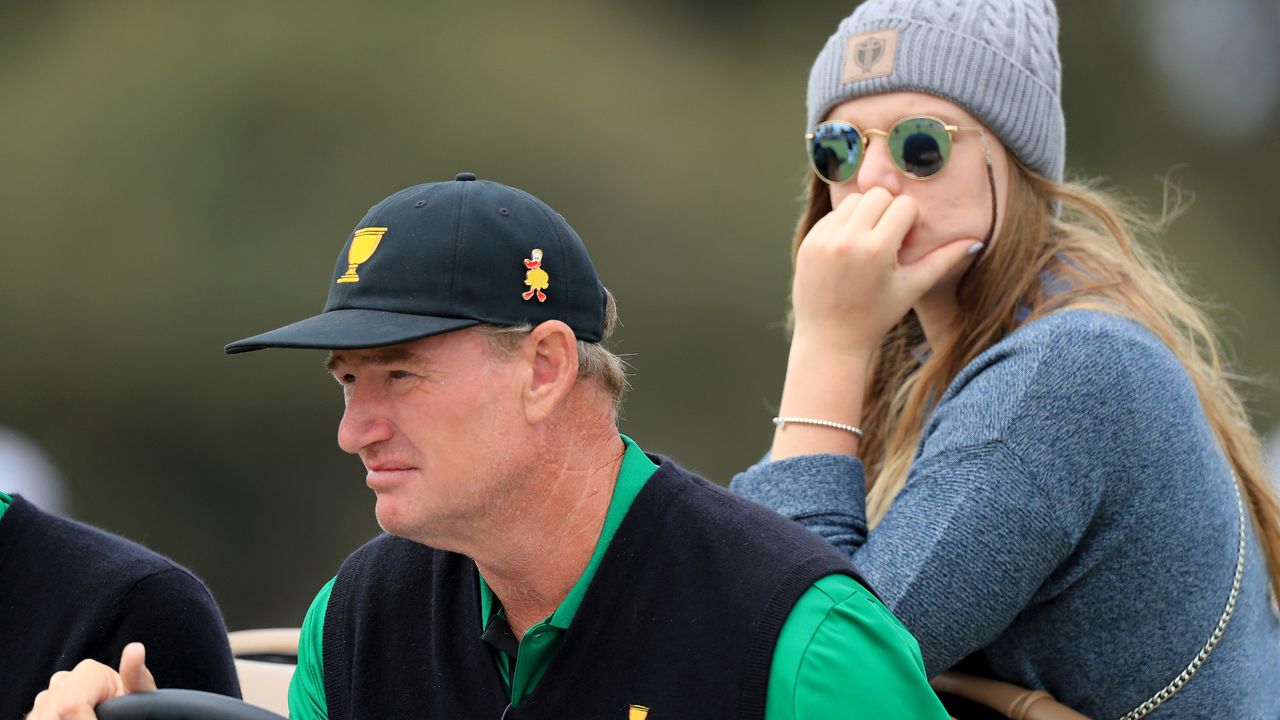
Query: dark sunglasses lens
[(920, 146), (835, 151)]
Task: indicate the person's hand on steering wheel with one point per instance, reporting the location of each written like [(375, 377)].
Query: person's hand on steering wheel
[(73, 694), (93, 690)]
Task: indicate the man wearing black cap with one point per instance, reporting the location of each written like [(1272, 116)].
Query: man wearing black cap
[(538, 564)]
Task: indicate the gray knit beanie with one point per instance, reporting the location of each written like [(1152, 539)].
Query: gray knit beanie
[(998, 59)]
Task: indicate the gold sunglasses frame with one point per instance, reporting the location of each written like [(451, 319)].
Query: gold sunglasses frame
[(865, 134)]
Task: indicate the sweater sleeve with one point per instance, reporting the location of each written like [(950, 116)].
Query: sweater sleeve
[(956, 558), (173, 615), (825, 493), (1011, 468)]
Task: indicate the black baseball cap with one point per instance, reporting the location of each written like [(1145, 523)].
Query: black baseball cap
[(448, 255)]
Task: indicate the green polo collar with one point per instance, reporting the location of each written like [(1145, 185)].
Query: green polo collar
[(5, 502)]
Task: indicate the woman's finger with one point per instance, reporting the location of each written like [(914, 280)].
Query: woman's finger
[(846, 207), (897, 221), (868, 212)]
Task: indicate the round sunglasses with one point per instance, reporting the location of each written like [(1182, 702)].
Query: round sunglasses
[(920, 146)]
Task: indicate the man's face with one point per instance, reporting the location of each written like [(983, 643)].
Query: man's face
[(433, 421)]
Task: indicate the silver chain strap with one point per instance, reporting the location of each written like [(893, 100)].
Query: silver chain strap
[(1158, 699)]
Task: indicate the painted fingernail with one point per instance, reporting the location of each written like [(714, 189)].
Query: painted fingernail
[(974, 249)]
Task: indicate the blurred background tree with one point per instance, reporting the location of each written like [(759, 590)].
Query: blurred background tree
[(180, 174)]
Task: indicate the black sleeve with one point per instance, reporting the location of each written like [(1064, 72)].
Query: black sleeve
[(175, 617)]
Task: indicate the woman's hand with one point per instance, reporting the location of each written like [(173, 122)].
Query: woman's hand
[(849, 288)]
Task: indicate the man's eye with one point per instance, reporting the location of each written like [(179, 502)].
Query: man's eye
[(399, 374), (346, 378)]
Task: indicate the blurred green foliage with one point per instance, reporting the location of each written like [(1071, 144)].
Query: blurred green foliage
[(180, 174)]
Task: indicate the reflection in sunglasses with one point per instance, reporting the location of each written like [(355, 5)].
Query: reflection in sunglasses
[(919, 145)]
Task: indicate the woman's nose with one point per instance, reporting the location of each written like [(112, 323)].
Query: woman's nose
[(878, 170)]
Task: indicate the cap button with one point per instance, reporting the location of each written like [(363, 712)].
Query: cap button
[(465, 176)]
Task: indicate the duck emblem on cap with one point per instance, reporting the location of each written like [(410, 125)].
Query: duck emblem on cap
[(535, 277)]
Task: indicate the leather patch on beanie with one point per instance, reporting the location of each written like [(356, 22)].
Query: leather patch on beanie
[(869, 55)]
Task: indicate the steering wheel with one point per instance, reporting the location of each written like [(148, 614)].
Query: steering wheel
[(180, 705)]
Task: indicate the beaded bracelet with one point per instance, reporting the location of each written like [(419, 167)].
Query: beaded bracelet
[(781, 422)]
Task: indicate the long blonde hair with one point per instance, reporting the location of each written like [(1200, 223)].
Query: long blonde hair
[(1089, 243)]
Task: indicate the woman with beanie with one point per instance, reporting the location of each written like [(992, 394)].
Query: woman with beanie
[(997, 402)]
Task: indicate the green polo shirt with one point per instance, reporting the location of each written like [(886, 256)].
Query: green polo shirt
[(5, 501), (840, 652)]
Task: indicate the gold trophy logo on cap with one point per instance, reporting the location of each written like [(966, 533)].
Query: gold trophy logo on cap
[(638, 712), (363, 243)]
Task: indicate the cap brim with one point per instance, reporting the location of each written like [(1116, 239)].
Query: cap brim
[(351, 329)]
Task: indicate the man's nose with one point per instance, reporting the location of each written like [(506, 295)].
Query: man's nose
[(363, 422)]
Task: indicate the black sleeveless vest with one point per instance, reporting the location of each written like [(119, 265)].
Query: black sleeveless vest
[(681, 617)]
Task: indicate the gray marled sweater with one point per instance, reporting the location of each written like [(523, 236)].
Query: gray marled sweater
[(1068, 523)]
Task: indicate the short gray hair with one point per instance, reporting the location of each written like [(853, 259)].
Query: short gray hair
[(595, 361)]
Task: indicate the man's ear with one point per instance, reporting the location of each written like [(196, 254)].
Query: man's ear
[(550, 354)]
